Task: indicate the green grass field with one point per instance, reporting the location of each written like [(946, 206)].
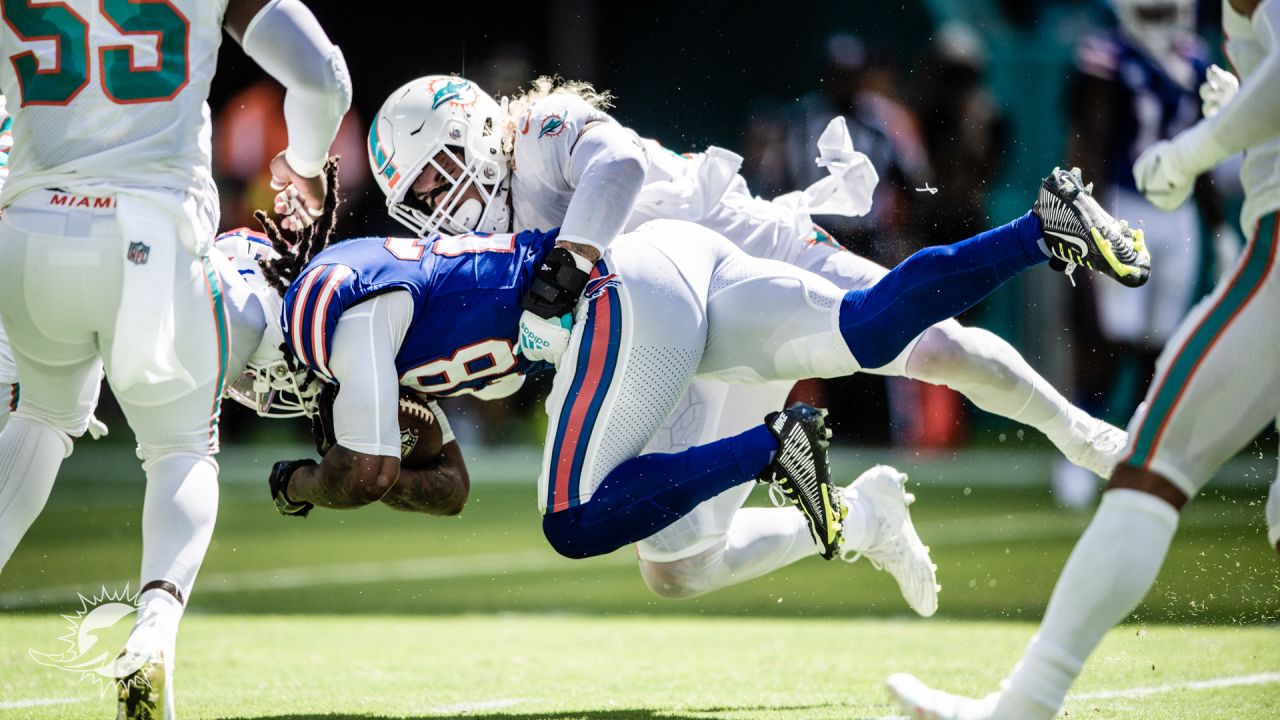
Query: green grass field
[(374, 614)]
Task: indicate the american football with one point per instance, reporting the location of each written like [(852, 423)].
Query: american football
[(420, 437)]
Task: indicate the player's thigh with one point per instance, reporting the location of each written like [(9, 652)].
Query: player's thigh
[(165, 418), (1216, 383), (637, 340), (770, 321), (844, 269), (709, 410), (57, 291)]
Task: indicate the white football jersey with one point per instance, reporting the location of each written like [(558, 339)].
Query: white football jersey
[(698, 187), (1260, 173), (110, 92), (545, 137)]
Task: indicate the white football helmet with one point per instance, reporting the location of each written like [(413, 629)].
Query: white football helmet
[(451, 124), (1156, 25), (270, 385)]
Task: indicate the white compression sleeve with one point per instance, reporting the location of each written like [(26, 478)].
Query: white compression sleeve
[(1253, 116), (365, 344), (288, 42), (606, 169)]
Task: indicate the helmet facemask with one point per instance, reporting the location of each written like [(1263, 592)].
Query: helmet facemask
[(449, 127), (277, 388), (451, 207)]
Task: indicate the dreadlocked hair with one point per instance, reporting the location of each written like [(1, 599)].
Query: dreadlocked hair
[(543, 87), (307, 242)]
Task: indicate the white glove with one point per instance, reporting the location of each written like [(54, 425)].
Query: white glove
[(544, 339), (1162, 175), (1217, 90), (97, 428)]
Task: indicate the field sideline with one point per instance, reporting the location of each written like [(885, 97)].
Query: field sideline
[(374, 614)]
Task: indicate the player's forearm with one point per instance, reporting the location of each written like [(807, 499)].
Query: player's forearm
[(607, 171), (287, 41), (344, 479), (1253, 116), (441, 489)]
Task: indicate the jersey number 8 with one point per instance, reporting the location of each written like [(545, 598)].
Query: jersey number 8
[(123, 80)]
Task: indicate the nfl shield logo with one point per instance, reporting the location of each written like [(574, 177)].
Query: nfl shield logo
[(138, 253)]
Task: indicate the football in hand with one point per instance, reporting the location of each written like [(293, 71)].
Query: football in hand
[(420, 438)]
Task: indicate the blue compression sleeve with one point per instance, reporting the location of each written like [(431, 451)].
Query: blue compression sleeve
[(647, 493), (935, 284)]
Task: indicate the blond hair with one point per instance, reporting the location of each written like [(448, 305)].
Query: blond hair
[(544, 87)]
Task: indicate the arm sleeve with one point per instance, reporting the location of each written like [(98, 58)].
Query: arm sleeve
[(1253, 116), (287, 41), (606, 170), (368, 337)]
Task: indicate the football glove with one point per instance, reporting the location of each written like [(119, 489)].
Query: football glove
[(1217, 90), (544, 339), (278, 482), (549, 302), (1162, 175)]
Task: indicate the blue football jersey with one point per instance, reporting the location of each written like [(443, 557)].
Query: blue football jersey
[(466, 291), (1155, 105)]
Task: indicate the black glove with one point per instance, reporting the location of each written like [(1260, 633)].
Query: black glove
[(279, 480), (556, 286), (322, 421)]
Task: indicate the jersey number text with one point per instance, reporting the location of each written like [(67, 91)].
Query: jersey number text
[(123, 79)]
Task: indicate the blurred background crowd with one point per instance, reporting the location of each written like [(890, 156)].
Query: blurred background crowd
[(962, 106)]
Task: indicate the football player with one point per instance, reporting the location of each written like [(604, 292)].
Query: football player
[(104, 248), (1210, 396), (447, 156), (666, 302)]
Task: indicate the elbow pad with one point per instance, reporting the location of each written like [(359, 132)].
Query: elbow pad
[(286, 40)]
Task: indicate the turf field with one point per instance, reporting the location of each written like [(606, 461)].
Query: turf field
[(374, 614)]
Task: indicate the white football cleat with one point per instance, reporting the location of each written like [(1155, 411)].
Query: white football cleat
[(145, 675), (922, 701), (1095, 445), (895, 547)]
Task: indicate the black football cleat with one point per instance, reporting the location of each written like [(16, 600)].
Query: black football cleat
[(802, 471), (1077, 231), (279, 480)]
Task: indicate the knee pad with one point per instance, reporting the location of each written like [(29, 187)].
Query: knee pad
[(680, 579), (950, 353)]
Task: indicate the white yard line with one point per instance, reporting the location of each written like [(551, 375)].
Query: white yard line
[(1266, 678), (439, 568), (40, 702)]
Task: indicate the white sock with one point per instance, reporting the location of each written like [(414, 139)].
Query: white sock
[(1109, 572), (30, 455), (177, 518), (860, 524), (994, 376)]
